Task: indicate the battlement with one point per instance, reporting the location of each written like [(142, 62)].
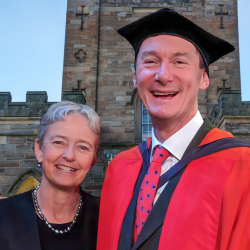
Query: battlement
[(230, 105), (36, 103)]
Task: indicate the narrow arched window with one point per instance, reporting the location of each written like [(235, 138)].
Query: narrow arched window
[(143, 124), (146, 124)]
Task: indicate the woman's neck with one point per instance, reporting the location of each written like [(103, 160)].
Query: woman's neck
[(57, 205)]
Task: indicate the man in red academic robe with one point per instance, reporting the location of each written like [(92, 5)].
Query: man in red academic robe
[(204, 204)]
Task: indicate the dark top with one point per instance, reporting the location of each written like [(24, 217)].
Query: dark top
[(80, 237), (21, 229)]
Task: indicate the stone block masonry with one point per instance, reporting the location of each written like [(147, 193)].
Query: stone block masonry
[(18, 129), (232, 115), (108, 69), (83, 42), (113, 56)]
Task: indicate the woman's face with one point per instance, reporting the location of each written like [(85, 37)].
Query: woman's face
[(68, 152)]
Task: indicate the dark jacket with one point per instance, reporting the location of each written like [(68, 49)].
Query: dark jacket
[(18, 222)]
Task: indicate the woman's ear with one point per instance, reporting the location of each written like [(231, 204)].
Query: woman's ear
[(38, 151)]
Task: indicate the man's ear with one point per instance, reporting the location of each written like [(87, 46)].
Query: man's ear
[(205, 80), (38, 151), (134, 81)]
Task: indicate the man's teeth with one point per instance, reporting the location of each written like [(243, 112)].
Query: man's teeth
[(164, 94), (65, 169)]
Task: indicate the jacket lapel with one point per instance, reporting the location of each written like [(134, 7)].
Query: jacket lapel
[(127, 231), (29, 226), (205, 128)]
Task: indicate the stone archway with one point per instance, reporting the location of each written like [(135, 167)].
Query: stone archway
[(25, 182)]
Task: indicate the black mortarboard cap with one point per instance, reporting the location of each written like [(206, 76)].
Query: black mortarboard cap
[(167, 21)]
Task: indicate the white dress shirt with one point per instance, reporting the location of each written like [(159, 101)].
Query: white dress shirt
[(176, 145)]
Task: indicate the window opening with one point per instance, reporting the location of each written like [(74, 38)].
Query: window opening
[(146, 125)]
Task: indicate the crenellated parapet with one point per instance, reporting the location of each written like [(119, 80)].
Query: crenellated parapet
[(229, 103), (232, 114), (36, 103)]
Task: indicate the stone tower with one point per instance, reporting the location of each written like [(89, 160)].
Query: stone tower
[(107, 68), (103, 62)]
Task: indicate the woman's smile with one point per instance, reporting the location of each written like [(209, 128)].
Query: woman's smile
[(65, 169)]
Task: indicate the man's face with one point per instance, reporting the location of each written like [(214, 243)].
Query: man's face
[(168, 78)]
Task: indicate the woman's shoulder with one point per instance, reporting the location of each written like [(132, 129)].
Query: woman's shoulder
[(16, 203), (17, 214)]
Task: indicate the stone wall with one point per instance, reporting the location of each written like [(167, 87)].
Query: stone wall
[(80, 53), (109, 58), (227, 68), (232, 115), (103, 62), (19, 123)]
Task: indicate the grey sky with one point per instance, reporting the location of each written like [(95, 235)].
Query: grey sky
[(32, 46)]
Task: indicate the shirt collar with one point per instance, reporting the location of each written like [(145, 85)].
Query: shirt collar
[(178, 142)]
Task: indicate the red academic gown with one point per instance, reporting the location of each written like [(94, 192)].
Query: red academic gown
[(209, 209)]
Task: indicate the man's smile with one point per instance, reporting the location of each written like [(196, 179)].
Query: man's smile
[(164, 94)]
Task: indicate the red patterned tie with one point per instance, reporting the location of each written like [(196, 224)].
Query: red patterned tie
[(148, 187)]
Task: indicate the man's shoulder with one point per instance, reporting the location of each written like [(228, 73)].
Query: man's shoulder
[(132, 154), (214, 135), (234, 153), (130, 159)]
